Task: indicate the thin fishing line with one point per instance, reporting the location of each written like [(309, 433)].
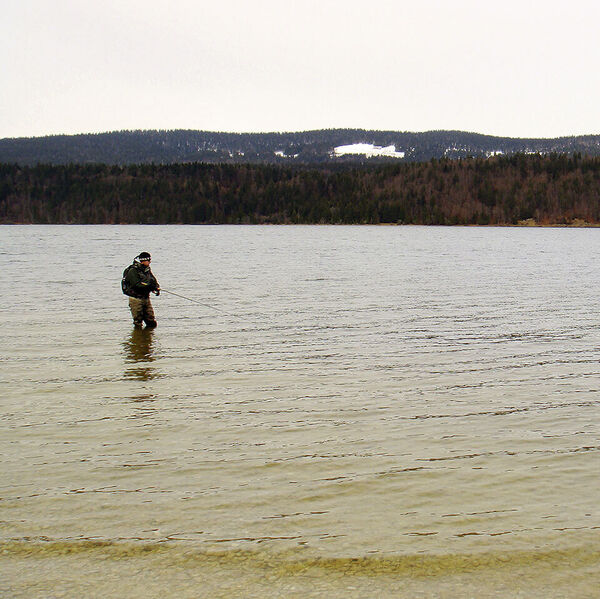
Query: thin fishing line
[(201, 303)]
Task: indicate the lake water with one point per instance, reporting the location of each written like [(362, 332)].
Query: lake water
[(348, 412)]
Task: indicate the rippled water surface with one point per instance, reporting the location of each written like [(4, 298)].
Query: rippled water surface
[(348, 411)]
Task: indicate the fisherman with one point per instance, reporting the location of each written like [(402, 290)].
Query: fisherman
[(138, 281)]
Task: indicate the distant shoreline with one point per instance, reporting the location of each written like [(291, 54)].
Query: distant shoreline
[(474, 225)]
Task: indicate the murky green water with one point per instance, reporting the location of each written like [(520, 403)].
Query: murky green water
[(367, 411)]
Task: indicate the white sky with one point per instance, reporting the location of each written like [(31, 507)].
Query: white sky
[(504, 67)]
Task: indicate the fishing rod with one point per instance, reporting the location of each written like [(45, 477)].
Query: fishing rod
[(189, 299)]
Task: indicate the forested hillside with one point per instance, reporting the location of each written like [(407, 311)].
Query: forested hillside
[(308, 147), (550, 189)]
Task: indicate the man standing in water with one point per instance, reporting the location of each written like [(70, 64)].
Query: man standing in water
[(138, 281)]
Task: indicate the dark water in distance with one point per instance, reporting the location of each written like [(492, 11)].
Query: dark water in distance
[(355, 411)]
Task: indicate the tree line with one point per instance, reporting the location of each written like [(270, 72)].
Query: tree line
[(306, 147), (502, 190)]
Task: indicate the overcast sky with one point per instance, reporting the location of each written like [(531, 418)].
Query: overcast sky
[(510, 68)]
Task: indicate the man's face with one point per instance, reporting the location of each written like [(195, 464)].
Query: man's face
[(145, 262)]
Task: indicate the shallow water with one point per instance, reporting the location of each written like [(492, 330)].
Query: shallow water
[(406, 408)]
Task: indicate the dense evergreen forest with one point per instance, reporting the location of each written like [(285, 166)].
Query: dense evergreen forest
[(547, 189), (307, 147)]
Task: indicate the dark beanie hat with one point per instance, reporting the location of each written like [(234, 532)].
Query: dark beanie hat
[(144, 256)]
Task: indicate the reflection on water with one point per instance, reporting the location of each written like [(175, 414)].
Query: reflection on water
[(139, 350), (144, 405)]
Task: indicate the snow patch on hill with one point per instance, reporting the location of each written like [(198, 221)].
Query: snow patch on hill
[(369, 150)]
